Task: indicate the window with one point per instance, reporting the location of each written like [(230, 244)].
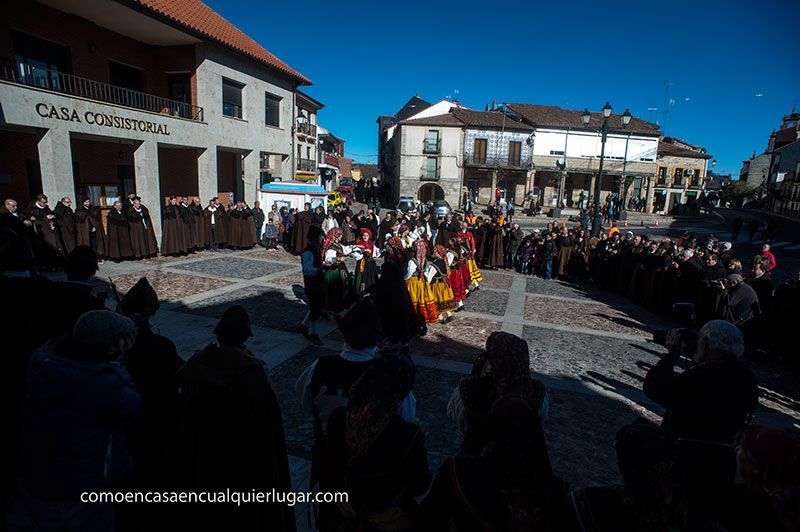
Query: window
[(232, 98), (308, 152), (39, 62), (432, 141), (180, 90), (431, 167), (514, 153), (479, 151), (677, 178), (272, 113), (265, 168), (662, 175)]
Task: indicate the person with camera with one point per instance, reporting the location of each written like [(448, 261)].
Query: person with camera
[(707, 406)]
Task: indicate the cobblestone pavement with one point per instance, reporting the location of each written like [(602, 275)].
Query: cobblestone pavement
[(590, 347)]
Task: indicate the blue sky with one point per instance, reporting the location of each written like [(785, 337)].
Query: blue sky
[(733, 66)]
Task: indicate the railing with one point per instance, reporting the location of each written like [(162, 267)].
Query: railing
[(307, 128), (35, 76), (429, 174), (431, 145), (480, 159), (329, 158), (305, 165)]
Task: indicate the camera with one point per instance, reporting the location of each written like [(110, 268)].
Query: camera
[(687, 339)]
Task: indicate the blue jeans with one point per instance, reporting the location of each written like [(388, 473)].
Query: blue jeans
[(548, 269)]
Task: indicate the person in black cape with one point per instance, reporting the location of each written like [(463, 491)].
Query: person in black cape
[(119, 234), (143, 236), (228, 434), (89, 228), (173, 241), (152, 363), (65, 224)]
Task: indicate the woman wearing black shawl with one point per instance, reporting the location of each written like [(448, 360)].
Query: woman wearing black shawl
[(510, 486), (384, 457), (398, 319)]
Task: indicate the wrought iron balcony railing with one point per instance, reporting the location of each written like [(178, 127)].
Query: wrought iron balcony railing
[(479, 159), (305, 165), (53, 80)]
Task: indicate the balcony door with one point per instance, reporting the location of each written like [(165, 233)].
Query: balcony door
[(514, 153), (432, 141), (130, 81), (180, 90), (479, 151), (38, 62)]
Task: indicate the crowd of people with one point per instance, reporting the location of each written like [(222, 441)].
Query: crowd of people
[(96, 400)]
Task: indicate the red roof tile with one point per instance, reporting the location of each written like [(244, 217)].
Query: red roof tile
[(198, 17)]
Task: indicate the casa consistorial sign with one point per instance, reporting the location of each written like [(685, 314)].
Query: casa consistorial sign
[(46, 110)]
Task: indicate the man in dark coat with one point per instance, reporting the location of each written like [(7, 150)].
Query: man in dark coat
[(211, 221), (513, 241), (65, 224), (173, 237), (119, 234), (740, 301), (47, 248), (302, 223), (153, 363), (199, 223), (384, 229), (258, 220), (89, 228), (189, 225), (143, 236), (229, 435)]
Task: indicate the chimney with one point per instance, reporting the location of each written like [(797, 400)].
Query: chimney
[(494, 105), (487, 106)]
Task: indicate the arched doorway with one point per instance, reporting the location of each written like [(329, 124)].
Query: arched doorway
[(430, 192)]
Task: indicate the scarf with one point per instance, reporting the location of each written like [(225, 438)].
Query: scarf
[(330, 238), (367, 245), (374, 400)]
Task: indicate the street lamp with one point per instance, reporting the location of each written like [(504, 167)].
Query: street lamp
[(585, 117)]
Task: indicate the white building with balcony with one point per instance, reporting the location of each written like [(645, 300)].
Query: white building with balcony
[(99, 99)]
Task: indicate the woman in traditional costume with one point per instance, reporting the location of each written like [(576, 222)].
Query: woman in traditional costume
[(366, 271), (440, 285), (475, 276), (418, 287), (458, 268), (336, 290)]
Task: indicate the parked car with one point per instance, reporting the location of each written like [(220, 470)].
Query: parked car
[(406, 204), (441, 208), (346, 192), (334, 198)]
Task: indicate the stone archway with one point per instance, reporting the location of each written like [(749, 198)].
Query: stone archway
[(430, 192)]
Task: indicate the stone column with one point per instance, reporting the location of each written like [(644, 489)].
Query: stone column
[(145, 162), (494, 187), (55, 164), (649, 195), (252, 177), (207, 182)]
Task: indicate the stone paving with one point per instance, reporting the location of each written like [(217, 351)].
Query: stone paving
[(591, 348)]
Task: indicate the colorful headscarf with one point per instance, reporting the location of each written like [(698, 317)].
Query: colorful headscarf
[(374, 400), (367, 245), (395, 251), (330, 238), (421, 253), (510, 368), (442, 252)]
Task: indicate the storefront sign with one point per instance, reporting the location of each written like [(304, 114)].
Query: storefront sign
[(46, 110)]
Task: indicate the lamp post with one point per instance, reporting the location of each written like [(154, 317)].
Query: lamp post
[(585, 118)]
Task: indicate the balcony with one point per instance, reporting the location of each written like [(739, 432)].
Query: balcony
[(307, 128), (305, 165), (429, 174), (329, 159), (52, 80), (432, 146), (480, 159)]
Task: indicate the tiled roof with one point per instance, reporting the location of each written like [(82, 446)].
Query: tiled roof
[(490, 119), (672, 150), (194, 15), (552, 116), (447, 119)]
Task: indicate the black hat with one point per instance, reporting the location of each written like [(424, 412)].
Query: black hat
[(141, 300), (361, 325), (234, 326), (81, 262)]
